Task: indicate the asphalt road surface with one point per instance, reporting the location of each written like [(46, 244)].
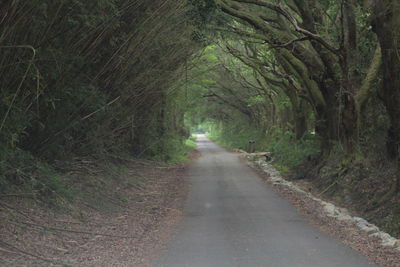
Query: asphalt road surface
[(233, 219)]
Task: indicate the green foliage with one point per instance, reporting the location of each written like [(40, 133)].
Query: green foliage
[(20, 171), (288, 152), (203, 14), (190, 143), (171, 150), (94, 78), (254, 100), (391, 223), (202, 11), (233, 137)]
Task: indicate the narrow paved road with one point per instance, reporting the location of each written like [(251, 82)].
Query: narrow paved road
[(233, 219)]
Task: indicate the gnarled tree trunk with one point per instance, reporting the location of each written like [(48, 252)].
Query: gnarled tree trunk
[(386, 23)]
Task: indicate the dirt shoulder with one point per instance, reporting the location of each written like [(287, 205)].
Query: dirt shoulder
[(346, 231), (129, 231)]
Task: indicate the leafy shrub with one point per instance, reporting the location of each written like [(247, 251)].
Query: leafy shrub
[(287, 153), (234, 137), (24, 172)]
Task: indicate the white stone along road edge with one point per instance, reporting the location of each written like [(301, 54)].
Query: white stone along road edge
[(340, 214)]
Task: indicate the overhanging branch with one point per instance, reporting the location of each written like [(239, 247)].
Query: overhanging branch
[(293, 21)]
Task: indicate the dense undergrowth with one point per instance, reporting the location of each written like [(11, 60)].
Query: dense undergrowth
[(285, 150), (89, 80), (58, 184), (356, 184)]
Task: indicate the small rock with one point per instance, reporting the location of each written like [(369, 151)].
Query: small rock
[(390, 242), (330, 209), (370, 229)]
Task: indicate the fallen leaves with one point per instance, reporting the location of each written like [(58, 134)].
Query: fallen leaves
[(33, 235)]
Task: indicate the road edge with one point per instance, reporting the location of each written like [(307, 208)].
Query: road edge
[(377, 246)]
